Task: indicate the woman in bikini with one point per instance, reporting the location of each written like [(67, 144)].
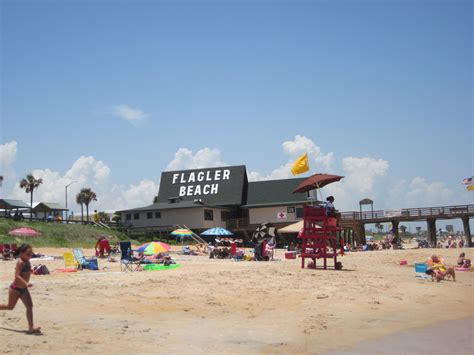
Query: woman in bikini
[(19, 288)]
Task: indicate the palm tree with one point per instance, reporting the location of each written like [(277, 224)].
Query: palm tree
[(80, 201), (30, 183), (87, 197)]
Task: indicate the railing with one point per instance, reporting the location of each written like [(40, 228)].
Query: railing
[(410, 213), (236, 223)]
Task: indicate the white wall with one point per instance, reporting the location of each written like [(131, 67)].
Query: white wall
[(270, 214)]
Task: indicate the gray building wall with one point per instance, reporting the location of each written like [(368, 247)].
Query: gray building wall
[(270, 214), (191, 217)]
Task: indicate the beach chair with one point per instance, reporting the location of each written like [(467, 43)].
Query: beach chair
[(127, 261), (69, 260), (82, 261)]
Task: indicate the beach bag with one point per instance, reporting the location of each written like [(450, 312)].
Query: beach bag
[(40, 270)]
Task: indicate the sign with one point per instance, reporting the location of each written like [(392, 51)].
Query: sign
[(222, 186), (392, 213), (281, 215)]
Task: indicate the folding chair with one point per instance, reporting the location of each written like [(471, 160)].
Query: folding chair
[(69, 260), (82, 261), (13, 248), (127, 261)]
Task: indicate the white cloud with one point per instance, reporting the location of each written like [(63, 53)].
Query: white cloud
[(361, 176), (204, 158), (7, 159), (420, 193), (87, 171), (132, 115), (293, 149)]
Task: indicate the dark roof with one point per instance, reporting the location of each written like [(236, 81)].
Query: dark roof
[(274, 193), (48, 207), (168, 206), (8, 204)]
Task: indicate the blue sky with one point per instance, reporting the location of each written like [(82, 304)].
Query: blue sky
[(388, 80)]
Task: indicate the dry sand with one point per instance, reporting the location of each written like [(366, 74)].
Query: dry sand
[(221, 306)]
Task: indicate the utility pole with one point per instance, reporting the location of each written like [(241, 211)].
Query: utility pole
[(65, 187)]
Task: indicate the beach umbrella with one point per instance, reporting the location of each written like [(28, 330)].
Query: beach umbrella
[(317, 181), (24, 232), (182, 232), (264, 231), (217, 232), (153, 248)]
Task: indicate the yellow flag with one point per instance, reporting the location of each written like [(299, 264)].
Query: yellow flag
[(470, 187), (301, 165)]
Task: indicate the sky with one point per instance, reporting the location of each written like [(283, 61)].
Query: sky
[(112, 93)]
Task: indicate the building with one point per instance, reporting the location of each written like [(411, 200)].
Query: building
[(216, 197), (45, 210)]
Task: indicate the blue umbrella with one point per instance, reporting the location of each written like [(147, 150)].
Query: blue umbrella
[(217, 232)]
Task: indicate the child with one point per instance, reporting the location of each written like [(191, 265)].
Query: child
[(463, 262), (19, 288)]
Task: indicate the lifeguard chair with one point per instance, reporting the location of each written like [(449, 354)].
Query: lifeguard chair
[(319, 234)]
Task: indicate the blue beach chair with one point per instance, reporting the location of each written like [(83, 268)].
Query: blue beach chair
[(83, 262)]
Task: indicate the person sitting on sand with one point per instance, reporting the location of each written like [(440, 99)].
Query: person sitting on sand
[(438, 271), (20, 285), (463, 262)]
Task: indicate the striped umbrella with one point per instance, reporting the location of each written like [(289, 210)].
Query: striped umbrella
[(217, 232), (153, 248), (182, 232), (264, 231)]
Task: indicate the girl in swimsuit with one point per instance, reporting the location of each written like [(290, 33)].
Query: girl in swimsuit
[(19, 288)]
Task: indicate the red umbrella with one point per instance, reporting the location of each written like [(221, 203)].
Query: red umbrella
[(24, 232), (317, 181)]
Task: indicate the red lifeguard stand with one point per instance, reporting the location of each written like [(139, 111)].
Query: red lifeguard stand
[(319, 233)]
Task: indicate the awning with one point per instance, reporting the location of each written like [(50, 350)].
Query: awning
[(293, 228)]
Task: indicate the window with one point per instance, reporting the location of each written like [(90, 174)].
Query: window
[(136, 216), (290, 210), (224, 215), (149, 215), (208, 215), (299, 212), (128, 216), (158, 214)]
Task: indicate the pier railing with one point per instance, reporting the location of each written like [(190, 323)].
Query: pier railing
[(410, 213)]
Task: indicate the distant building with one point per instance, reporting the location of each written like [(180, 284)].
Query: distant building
[(47, 210), (217, 197)]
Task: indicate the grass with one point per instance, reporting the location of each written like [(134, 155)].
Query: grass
[(58, 235)]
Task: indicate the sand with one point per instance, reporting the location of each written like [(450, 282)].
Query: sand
[(222, 306)]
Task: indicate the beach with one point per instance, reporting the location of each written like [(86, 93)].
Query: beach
[(223, 306)]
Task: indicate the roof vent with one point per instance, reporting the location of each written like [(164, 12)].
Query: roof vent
[(174, 199)]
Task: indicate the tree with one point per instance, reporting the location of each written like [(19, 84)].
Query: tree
[(29, 184), (87, 197), (155, 199), (379, 227), (403, 229), (80, 201), (101, 217)]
